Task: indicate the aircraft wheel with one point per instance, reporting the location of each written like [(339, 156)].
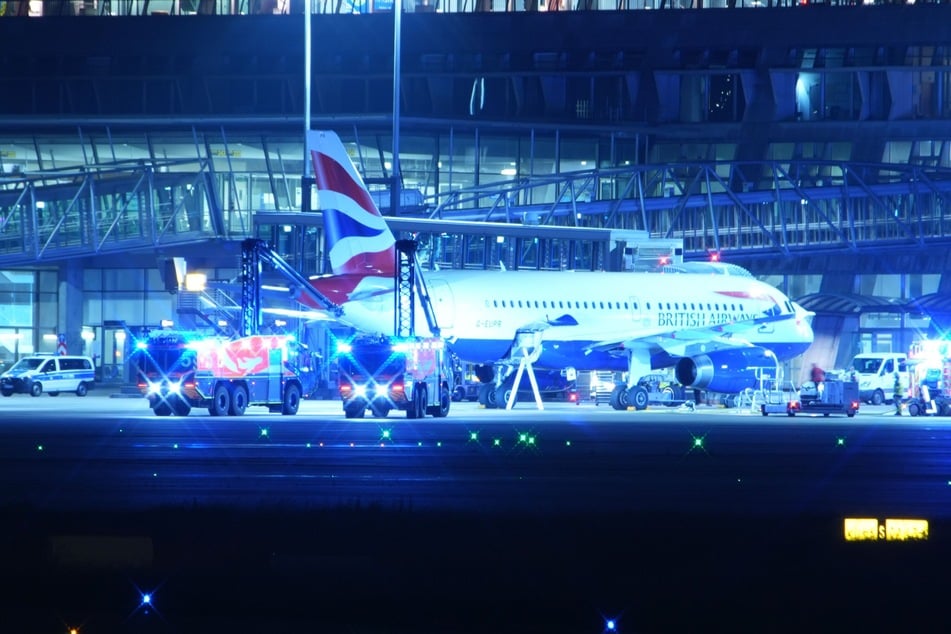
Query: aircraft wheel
[(220, 401), (502, 395), (619, 400), (239, 401), (291, 401), (637, 396)]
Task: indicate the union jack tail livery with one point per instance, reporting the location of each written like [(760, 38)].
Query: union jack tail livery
[(358, 239)]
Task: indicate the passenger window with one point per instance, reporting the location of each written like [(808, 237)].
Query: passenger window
[(888, 367)]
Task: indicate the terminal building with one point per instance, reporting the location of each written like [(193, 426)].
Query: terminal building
[(141, 141)]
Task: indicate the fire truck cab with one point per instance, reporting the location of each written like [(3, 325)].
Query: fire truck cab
[(178, 371), (380, 374)]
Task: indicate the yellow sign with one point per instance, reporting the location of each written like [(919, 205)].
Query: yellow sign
[(8, 154), (223, 153), (858, 529)]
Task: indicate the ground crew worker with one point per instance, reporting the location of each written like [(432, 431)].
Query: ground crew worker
[(897, 395)]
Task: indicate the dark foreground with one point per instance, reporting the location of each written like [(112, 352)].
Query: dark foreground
[(321, 526), (372, 570)]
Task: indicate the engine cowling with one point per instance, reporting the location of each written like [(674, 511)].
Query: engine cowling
[(729, 371)]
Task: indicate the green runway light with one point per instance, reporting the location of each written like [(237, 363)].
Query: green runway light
[(39, 447), (698, 443), (264, 431), (522, 437), (385, 434), (567, 443), (496, 442), (474, 436), (840, 441)]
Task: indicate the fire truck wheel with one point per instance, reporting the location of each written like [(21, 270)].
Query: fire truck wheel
[(380, 411), (417, 407), (220, 401), (239, 401), (180, 407), (354, 410), (445, 402), (162, 409), (291, 400), (459, 393)]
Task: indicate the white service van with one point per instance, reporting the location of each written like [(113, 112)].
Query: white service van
[(875, 373), (46, 373)]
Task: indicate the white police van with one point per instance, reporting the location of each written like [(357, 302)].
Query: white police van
[(51, 374)]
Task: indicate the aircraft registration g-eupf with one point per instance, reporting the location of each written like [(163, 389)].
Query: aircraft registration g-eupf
[(714, 329)]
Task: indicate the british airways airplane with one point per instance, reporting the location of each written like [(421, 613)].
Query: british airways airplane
[(712, 328)]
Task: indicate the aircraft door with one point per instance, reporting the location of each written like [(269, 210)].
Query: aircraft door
[(444, 304), (115, 348), (639, 315)]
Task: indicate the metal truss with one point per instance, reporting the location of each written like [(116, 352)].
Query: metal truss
[(104, 208), (764, 206)]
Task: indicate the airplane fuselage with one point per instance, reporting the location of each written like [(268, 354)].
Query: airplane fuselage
[(480, 312)]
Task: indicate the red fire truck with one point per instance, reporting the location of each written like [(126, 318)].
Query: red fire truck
[(384, 373), (178, 371)]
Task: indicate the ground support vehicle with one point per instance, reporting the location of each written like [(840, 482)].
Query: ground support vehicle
[(875, 374), (379, 374), (651, 389), (178, 371), (827, 397), (930, 389), (51, 374)]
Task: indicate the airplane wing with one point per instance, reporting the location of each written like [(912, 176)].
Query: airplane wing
[(680, 341)]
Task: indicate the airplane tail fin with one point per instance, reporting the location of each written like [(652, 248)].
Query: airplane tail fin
[(358, 240)]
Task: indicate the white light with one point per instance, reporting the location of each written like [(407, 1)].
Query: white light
[(49, 337), (120, 336), (166, 323), (508, 171), (195, 282)]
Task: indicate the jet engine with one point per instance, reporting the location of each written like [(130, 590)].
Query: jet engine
[(727, 371)]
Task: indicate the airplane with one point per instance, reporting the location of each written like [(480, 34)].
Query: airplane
[(713, 329)]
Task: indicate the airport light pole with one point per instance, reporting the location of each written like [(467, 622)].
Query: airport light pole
[(395, 163), (305, 189)]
